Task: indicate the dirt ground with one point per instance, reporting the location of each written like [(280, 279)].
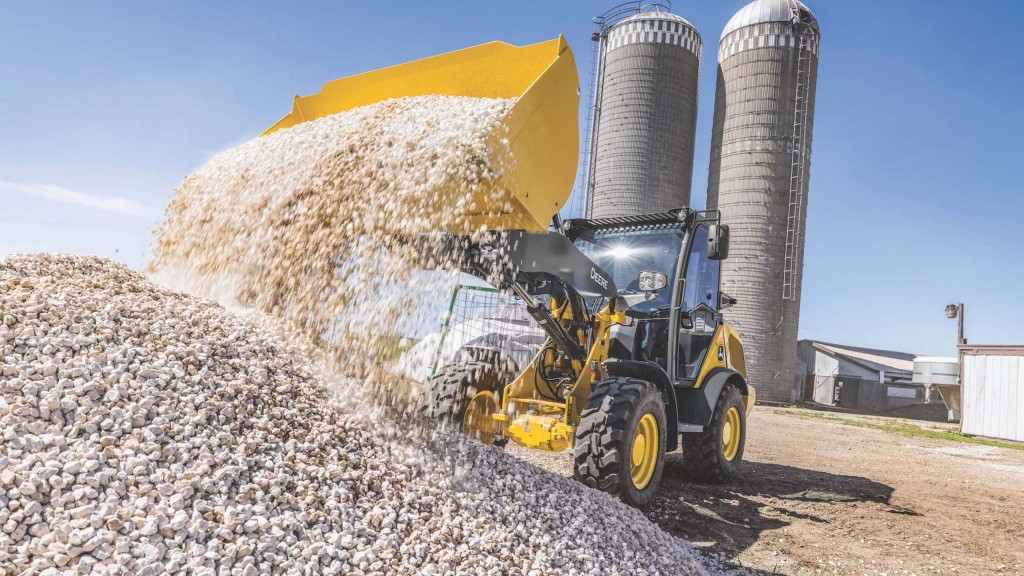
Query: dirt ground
[(822, 496)]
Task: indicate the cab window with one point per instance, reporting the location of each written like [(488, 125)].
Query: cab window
[(701, 274), (626, 253)]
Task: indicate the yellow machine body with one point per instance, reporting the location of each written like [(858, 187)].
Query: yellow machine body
[(530, 420), (728, 341), (537, 166)]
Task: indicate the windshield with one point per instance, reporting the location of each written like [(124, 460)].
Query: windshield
[(625, 253)]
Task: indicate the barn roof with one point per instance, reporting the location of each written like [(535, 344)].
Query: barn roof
[(896, 364)]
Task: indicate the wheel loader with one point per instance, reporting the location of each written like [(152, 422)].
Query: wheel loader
[(637, 360)]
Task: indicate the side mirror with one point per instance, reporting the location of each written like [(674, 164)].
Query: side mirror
[(718, 242), (650, 281), (725, 301)]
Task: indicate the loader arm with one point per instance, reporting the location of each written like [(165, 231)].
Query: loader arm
[(530, 258), (530, 264)]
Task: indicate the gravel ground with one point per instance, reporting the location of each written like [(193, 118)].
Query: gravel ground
[(149, 432)]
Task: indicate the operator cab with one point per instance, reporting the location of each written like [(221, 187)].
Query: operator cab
[(683, 252)]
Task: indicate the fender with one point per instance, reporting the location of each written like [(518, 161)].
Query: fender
[(653, 373), (697, 405)]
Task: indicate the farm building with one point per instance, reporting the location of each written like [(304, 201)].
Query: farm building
[(858, 378), (993, 391)]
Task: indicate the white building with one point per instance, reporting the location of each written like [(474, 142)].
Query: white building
[(992, 391)]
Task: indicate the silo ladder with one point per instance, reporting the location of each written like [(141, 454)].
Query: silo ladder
[(798, 169)]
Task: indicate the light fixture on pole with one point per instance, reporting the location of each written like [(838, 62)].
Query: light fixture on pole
[(957, 311)]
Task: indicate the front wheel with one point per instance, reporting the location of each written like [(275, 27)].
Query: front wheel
[(465, 395), (715, 454), (620, 441)]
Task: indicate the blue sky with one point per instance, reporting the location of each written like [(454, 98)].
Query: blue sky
[(916, 183)]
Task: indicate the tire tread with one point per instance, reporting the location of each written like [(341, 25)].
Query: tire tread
[(602, 431), (703, 459)]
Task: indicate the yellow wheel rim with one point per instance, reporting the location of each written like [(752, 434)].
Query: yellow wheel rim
[(643, 456), (731, 433), (477, 422)]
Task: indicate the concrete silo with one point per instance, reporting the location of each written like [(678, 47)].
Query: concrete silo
[(758, 178), (645, 111)]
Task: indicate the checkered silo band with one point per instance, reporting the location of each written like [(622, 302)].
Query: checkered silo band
[(766, 35), (654, 31)]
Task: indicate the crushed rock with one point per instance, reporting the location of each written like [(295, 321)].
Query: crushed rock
[(149, 432)]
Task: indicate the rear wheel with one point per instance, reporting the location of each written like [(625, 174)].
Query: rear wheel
[(464, 395), (714, 455), (620, 441)]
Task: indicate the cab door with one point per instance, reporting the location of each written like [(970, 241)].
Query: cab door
[(697, 316)]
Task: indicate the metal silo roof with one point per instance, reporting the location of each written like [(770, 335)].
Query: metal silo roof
[(761, 11), (657, 15)]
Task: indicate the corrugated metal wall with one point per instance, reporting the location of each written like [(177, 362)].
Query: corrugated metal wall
[(758, 178), (993, 396), (645, 116), (825, 370)]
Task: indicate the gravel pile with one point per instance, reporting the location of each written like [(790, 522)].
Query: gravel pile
[(149, 432)]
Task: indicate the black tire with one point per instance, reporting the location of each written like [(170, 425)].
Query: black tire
[(704, 457), (605, 435), (449, 391)]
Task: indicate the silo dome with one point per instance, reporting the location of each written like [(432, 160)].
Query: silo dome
[(645, 114), (659, 15), (764, 11)]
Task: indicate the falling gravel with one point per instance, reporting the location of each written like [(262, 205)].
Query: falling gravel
[(314, 223), (146, 432)]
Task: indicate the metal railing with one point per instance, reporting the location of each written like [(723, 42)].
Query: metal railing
[(622, 11)]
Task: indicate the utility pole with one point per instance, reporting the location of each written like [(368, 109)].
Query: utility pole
[(957, 311)]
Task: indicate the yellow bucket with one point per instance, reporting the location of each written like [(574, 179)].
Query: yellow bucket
[(543, 130)]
